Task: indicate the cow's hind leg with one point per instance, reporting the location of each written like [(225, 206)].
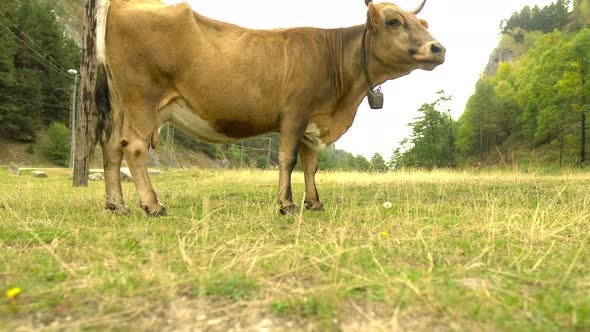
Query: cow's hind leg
[(309, 163), (136, 152), (112, 156)]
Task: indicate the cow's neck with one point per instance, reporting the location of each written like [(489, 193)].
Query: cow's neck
[(344, 49)]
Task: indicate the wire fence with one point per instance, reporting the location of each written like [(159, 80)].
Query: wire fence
[(170, 154)]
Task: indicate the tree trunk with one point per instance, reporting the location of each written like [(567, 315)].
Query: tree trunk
[(561, 139), (481, 153), (583, 120), (583, 137), (85, 97), (451, 141)]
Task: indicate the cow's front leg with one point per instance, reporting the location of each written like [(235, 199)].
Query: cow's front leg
[(309, 163), (136, 151), (291, 134)]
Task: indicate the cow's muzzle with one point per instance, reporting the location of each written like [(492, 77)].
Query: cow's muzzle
[(430, 55), (436, 49)]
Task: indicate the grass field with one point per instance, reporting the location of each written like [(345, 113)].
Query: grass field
[(477, 251)]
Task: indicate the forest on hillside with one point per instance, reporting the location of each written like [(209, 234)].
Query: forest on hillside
[(539, 100), (35, 56)]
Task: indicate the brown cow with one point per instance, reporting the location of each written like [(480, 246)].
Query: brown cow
[(222, 83)]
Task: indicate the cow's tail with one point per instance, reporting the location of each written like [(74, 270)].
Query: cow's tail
[(103, 106), (102, 97)]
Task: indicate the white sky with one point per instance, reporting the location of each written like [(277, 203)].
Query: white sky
[(467, 28)]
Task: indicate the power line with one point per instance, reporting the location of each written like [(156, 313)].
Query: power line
[(39, 57), (40, 61), (50, 59)]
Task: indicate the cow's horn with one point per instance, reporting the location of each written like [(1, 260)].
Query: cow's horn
[(419, 9), (367, 2)]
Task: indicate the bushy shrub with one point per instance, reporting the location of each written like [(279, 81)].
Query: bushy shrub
[(57, 145)]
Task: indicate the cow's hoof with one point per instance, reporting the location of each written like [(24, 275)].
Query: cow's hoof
[(117, 208), (160, 211), (289, 210), (314, 206)]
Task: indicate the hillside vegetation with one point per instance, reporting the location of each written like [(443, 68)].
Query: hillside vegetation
[(35, 56), (534, 96)]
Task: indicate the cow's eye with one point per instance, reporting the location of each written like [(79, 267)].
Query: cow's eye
[(394, 22)]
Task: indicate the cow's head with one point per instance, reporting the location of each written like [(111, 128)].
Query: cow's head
[(400, 40)]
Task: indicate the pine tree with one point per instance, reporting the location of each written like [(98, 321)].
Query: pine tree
[(8, 105), (362, 164), (378, 163), (35, 54), (480, 126), (432, 142), (581, 52)]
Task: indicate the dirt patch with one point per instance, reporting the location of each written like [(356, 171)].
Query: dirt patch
[(186, 314), (22, 154)]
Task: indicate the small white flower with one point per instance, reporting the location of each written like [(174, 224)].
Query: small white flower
[(387, 205)]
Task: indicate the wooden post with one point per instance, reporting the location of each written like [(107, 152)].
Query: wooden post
[(85, 97), (583, 120), (268, 153)]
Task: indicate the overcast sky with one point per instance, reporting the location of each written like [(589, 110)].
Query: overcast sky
[(467, 28)]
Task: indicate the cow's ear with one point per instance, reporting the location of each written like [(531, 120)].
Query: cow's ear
[(424, 24), (374, 20)]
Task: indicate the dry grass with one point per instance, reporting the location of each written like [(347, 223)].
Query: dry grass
[(457, 250)]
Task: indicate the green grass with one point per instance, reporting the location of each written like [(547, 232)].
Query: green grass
[(473, 250)]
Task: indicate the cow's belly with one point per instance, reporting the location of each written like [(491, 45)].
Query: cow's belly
[(181, 116)]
